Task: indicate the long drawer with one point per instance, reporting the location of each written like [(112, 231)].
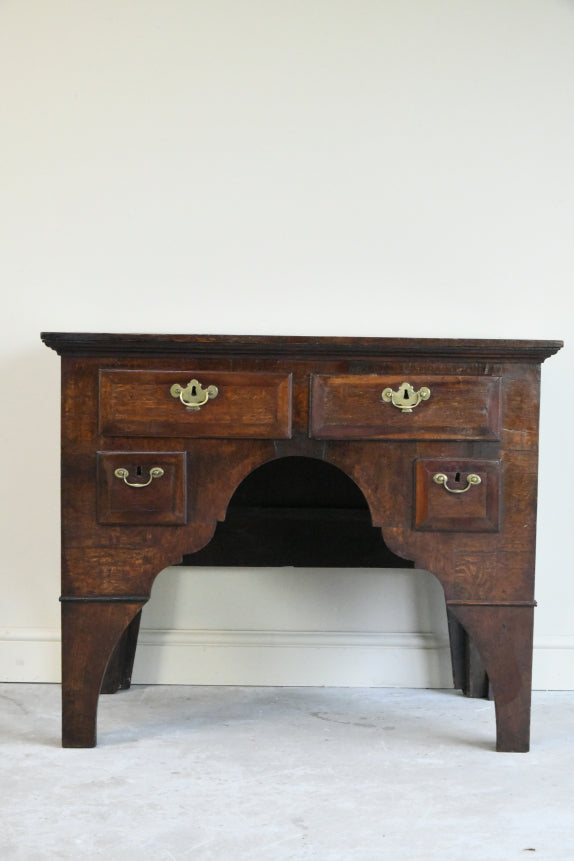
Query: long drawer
[(412, 407), (194, 403)]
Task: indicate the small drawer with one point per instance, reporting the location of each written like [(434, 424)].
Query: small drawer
[(142, 488), (453, 407), (195, 403), (457, 495)]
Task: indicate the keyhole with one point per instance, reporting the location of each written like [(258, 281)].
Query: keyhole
[(193, 391), (138, 470), (457, 477), (405, 395)]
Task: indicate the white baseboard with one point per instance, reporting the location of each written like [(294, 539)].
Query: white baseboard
[(282, 658), (30, 654), (553, 663), (293, 658)]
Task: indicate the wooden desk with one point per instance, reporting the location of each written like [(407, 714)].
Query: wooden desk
[(439, 436)]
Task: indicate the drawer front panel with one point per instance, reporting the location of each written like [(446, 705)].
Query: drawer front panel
[(142, 488), (457, 495), (142, 403), (352, 407)]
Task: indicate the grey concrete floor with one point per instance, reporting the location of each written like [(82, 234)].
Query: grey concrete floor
[(266, 774)]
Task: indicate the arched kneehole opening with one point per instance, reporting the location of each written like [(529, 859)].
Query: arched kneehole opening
[(297, 511)]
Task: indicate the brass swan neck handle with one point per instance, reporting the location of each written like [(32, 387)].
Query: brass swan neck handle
[(122, 472), (193, 396), (471, 479), (405, 398)]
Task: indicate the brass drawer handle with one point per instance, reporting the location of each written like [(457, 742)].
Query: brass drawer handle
[(122, 472), (193, 396), (405, 398), (472, 478)]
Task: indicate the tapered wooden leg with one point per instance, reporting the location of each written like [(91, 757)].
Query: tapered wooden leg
[(503, 636), (118, 674), (477, 681), (90, 632), (468, 671)]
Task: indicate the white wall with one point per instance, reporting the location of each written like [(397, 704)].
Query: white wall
[(352, 167)]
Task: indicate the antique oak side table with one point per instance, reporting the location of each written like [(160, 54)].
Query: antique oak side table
[(158, 432)]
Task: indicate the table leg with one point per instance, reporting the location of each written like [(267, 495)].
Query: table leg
[(503, 636), (118, 674), (468, 670), (90, 631)]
